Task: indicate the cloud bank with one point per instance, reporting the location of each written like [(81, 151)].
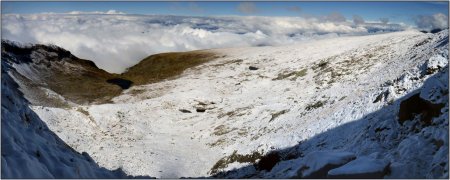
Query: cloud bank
[(115, 41), (358, 20), (96, 12), (429, 22)]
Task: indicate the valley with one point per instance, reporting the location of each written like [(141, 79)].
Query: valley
[(220, 112)]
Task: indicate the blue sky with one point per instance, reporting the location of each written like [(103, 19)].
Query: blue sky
[(395, 11)]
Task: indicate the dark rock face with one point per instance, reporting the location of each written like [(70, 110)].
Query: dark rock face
[(268, 161), (253, 68), (122, 83), (435, 30), (22, 53), (414, 106)]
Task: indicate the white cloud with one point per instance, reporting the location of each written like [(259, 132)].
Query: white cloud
[(335, 17), (358, 19), (247, 8), (384, 20), (432, 21), (115, 42), (112, 11)]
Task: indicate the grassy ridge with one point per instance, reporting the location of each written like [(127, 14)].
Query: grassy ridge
[(164, 66)]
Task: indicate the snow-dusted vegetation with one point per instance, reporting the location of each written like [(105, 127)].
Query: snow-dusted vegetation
[(344, 107)]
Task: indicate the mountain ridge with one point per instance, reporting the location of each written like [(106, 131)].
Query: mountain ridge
[(81, 81)]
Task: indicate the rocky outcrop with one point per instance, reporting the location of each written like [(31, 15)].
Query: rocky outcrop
[(414, 106)]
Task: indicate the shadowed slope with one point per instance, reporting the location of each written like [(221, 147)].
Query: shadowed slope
[(31, 150)]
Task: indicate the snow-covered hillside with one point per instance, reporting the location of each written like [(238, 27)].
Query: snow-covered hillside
[(315, 109), (31, 150)]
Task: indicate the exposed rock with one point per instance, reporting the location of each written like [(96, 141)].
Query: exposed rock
[(202, 106), (381, 96), (434, 31), (253, 68), (268, 161), (318, 163), (200, 109), (435, 63), (414, 106), (185, 111), (362, 167)]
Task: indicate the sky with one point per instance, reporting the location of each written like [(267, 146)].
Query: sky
[(117, 35), (370, 11)]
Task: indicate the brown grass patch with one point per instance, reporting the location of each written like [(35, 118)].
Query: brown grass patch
[(237, 112), (293, 75), (315, 105), (81, 110), (279, 113), (164, 66), (88, 86), (221, 130), (235, 157), (218, 142)]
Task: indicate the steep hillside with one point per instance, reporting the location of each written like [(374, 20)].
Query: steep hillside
[(31, 150), (54, 77), (313, 110)]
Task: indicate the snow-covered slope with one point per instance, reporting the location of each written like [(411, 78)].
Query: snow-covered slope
[(272, 111), (31, 150)]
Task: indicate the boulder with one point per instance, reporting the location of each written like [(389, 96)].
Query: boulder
[(435, 63), (200, 109), (362, 167), (268, 161), (414, 105), (318, 163)]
